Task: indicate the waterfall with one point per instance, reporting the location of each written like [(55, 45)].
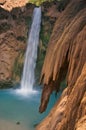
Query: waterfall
[(28, 77)]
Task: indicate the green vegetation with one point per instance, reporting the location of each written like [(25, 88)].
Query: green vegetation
[(63, 85), (38, 2), (21, 38), (18, 67), (45, 33), (28, 21), (40, 60), (6, 84)]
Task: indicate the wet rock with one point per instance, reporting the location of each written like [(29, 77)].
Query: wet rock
[(18, 123)]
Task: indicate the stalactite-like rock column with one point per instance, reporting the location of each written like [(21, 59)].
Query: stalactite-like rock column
[(66, 58), (66, 50)]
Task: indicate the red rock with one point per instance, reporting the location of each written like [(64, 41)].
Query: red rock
[(66, 59)]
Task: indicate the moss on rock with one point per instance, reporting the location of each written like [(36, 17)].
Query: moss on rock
[(38, 2), (18, 67), (6, 84)]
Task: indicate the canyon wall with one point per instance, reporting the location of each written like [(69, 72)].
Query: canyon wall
[(66, 60), (15, 22), (69, 113), (14, 25)]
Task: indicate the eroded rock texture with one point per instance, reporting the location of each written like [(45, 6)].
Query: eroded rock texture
[(66, 53), (66, 59), (69, 113), (13, 36), (10, 4), (15, 22)]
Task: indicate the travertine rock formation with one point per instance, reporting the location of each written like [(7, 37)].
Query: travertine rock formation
[(10, 4), (66, 59), (69, 113), (66, 50)]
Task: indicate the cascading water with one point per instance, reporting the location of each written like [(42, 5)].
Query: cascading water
[(28, 77)]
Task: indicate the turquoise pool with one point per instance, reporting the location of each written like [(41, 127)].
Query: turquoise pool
[(17, 108)]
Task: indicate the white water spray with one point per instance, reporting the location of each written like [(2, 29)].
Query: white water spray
[(28, 77)]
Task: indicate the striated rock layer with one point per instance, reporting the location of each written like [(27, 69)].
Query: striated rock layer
[(69, 113), (66, 50), (66, 59)]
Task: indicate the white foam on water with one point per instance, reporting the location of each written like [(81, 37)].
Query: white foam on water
[(26, 92)]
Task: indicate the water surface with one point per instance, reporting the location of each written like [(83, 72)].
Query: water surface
[(18, 108)]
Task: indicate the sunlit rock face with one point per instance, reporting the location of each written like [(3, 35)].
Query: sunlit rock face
[(66, 50), (66, 59), (10, 4), (69, 113), (2, 2)]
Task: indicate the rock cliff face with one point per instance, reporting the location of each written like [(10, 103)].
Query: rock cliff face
[(13, 36), (15, 21), (66, 59), (10, 4), (69, 113)]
